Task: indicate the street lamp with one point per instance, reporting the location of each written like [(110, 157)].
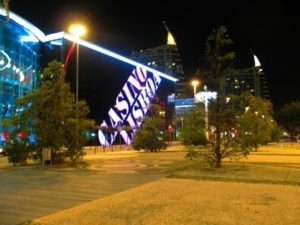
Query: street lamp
[(195, 83), (205, 96), (77, 30)]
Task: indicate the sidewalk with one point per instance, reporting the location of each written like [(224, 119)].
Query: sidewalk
[(4, 162)]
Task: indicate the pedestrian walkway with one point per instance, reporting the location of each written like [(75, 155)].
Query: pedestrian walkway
[(33, 191)]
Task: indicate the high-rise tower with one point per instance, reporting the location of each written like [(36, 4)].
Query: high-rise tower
[(165, 58), (248, 79)]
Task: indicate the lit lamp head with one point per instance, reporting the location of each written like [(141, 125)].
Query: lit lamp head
[(195, 83), (77, 30)]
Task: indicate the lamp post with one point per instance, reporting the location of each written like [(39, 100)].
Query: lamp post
[(77, 30), (205, 96), (195, 83)]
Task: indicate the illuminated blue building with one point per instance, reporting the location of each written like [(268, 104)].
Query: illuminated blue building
[(19, 65)]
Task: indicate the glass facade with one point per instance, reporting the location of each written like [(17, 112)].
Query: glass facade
[(249, 79), (19, 66), (165, 58)]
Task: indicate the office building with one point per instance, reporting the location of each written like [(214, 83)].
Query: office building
[(165, 58), (249, 79)]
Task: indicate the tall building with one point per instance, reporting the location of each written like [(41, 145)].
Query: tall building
[(19, 65), (165, 58), (249, 79)]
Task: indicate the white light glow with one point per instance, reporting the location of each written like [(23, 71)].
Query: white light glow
[(256, 61), (183, 106), (54, 36), (22, 77), (29, 38), (204, 96), (59, 43), (8, 59), (77, 30)]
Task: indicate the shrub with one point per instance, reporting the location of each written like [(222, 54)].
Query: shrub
[(18, 150)]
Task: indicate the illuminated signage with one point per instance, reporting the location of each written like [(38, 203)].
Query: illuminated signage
[(5, 63), (131, 106), (4, 60)]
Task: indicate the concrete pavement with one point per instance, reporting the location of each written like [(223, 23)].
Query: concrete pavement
[(33, 191)]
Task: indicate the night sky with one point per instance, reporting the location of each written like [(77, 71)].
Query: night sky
[(269, 28)]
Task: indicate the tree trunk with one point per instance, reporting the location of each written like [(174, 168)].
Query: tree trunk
[(218, 156)]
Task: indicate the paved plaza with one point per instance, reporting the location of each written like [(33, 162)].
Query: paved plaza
[(29, 192), (33, 191)]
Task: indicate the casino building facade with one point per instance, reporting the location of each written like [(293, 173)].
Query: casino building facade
[(19, 66)]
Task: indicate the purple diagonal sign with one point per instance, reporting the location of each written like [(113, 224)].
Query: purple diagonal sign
[(131, 105)]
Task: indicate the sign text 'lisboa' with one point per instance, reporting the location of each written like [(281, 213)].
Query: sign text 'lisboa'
[(131, 106)]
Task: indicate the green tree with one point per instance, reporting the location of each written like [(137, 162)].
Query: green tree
[(255, 124), (149, 136), (223, 111), (75, 131), (277, 133), (227, 117), (49, 112), (289, 118), (223, 141), (193, 131), (220, 60)]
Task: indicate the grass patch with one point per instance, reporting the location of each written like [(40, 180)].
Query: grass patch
[(250, 172)]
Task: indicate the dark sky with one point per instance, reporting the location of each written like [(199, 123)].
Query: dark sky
[(270, 28)]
